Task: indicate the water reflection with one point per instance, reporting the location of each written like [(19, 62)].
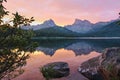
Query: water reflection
[(66, 51), (78, 46), (39, 59)]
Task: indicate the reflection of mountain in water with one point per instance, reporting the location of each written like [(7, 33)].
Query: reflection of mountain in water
[(82, 48), (47, 51), (78, 46)]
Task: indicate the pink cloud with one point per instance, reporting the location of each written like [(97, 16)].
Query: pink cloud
[(65, 11)]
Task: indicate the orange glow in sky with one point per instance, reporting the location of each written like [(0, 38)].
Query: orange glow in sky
[(64, 12)]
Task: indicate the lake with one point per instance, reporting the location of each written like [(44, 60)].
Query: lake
[(72, 51)]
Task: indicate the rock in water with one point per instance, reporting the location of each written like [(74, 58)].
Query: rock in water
[(55, 70), (104, 67)]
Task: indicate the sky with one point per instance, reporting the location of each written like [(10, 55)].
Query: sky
[(64, 12)]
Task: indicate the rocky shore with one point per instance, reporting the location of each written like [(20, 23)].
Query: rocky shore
[(103, 67)]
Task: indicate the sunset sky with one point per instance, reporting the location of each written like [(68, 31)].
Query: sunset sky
[(64, 12)]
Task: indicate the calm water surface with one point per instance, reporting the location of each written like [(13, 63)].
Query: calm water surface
[(74, 52)]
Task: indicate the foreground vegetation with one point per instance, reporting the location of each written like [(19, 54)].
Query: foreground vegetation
[(14, 43)]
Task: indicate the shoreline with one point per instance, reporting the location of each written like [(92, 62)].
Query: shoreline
[(77, 38)]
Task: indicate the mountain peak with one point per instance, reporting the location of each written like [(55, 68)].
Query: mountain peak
[(80, 26), (78, 21), (45, 24), (49, 22)]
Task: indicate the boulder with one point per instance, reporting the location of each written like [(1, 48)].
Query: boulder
[(89, 69), (103, 67), (110, 65), (55, 70)]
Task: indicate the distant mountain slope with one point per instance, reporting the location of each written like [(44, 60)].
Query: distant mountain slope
[(85, 26), (55, 31), (110, 30), (80, 26), (45, 24)]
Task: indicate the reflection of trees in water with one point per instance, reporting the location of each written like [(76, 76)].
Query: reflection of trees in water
[(78, 46)]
